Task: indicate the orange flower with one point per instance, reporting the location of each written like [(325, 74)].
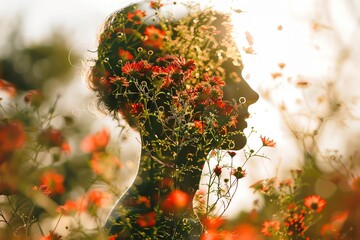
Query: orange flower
[(113, 237), (199, 125), (43, 188), (156, 4), (146, 220), (176, 201), (52, 236), (136, 16), (12, 137), (267, 142), (54, 181), (71, 207), (96, 199), (155, 37), (105, 164), (270, 227), (7, 87), (315, 203), (276, 75), (125, 55), (96, 142)]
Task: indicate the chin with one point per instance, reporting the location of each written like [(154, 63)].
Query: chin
[(239, 141)]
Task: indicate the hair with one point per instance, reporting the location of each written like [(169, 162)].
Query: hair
[(139, 39)]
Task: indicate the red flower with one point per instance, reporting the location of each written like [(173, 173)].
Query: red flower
[(156, 4), (43, 188), (71, 207), (34, 97), (52, 236), (113, 237), (96, 142), (155, 37), (105, 164), (217, 170), (136, 16), (137, 68), (238, 173), (270, 227), (176, 201), (97, 199), (315, 203), (51, 137), (232, 154), (355, 184), (199, 125), (54, 181), (146, 220), (7, 87), (125, 55), (295, 222), (267, 142), (12, 137)]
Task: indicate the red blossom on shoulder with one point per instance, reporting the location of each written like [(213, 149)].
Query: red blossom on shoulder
[(267, 142), (136, 16), (315, 203), (146, 220), (95, 142)]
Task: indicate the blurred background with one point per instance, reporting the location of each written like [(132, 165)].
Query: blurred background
[(301, 56)]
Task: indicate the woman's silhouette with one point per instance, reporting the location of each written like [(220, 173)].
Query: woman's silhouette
[(177, 80)]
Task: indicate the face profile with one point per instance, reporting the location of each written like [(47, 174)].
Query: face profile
[(176, 80)]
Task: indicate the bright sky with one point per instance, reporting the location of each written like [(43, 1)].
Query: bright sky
[(310, 37)]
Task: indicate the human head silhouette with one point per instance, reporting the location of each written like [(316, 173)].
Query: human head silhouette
[(162, 72)]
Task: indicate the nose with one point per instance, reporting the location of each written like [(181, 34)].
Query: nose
[(238, 90)]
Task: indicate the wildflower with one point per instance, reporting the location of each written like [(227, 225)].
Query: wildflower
[(155, 37), (333, 228), (156, 4), (105, 164), (267, 142), (217, 170), (276, 75), (51, 137), (199, 125), (34, 97), (281, 65), (315, 203), (238, 172), (125, 55), (136, 16), (54, 181), (142, 200), (146, 220), (136, 108), (43, 188), (270, 227), (176, 201), (135, 68), (96, 142), (12, 137), (295, 222), (71, 206), (232, 154), (97, 199), (52, 236), (302, 83), (7, 87), (113, 237)]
